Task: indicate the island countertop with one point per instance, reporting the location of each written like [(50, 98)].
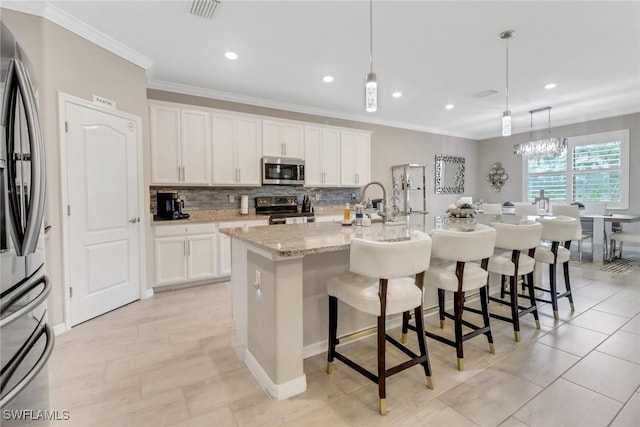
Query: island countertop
[(312, 238)]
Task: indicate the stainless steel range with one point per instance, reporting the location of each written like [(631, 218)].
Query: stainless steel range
[(283, 210)]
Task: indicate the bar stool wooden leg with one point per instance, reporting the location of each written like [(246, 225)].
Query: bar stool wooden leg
[(532, 298), (382, 392), (514, 307), (423, 344), (554, 294), (484, 294), (405, 326), (565, 270), (333, 330), (458, 304), (441, 307)]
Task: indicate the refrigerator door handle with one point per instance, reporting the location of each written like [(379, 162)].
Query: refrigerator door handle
[(25, 288), (18, 84), (15, 362)]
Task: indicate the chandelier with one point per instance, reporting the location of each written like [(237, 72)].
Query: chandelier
[(545, 147)]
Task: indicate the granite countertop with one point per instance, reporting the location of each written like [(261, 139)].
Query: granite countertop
[(313, 238), (230, 215)]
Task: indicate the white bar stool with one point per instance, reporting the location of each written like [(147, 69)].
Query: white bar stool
[(557, 233), (451, 270), (515, 248), (377, 285)]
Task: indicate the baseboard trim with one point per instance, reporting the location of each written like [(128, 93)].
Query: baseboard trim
[(277, 391), (60, 329)]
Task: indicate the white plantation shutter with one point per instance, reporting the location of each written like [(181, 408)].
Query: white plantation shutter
[(594, 169)]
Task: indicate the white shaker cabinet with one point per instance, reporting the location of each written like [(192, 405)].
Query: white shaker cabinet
[(237, 148), (185, 253), (355, 158), (322, 156), (180, 145), (282, 139)]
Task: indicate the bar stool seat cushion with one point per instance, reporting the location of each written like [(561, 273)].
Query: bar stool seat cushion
[(442, 274), (500, 263), (544, 254), (361, 292)]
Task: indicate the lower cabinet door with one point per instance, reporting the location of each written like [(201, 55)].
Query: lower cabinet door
[(201, 256), (171, 260)]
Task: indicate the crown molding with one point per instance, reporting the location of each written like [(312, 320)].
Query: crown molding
[(297, 108), (69, 22)]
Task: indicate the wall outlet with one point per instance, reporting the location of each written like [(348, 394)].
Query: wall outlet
[(258, 282), (316, 197), (232, 198)]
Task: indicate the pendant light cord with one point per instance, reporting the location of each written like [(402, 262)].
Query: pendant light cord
[(507, 78), (371, 34)]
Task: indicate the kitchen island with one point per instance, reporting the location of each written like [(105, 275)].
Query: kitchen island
[(280, 305)]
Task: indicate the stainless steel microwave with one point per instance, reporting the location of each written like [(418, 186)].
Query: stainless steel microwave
[(282, 171)]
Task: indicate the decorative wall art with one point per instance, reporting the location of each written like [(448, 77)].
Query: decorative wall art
[(497, 177), (449, 178)]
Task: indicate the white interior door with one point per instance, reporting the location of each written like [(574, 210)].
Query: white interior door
[(102, 194)]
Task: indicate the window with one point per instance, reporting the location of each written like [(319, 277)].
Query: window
[(595, 168)]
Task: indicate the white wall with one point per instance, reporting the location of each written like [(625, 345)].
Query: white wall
[(65, 62)]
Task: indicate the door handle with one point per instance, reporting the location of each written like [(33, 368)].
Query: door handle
[(134, 220)]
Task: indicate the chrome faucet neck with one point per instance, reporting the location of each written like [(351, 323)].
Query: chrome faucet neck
[(384, 198)]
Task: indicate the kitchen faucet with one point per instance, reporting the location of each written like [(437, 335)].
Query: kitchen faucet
[(381, 211)]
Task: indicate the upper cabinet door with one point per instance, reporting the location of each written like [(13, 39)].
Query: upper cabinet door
[(355, 156), (282, 139), (322, 156), (249, 147), (166, 166), (225, 170), (331, 157), (196, 147)]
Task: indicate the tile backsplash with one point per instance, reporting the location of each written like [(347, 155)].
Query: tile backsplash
[(208, 198)]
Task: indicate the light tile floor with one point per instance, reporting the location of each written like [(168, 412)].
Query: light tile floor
[(167, 361)]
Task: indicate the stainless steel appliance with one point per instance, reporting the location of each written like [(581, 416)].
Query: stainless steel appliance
[(282, 171), (282, 210), (170, 206), (26, 340)]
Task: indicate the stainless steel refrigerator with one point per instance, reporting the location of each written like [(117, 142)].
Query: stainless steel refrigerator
[(26, 339)]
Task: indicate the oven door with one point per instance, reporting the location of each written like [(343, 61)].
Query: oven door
[(281, 171)]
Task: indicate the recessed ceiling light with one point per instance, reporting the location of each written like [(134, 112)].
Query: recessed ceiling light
[(550, 86), (327, 79), (396, 94), (449, 106), (231, 55)]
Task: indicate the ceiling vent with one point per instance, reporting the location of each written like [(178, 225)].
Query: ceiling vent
[(204, 8), (485, 93)]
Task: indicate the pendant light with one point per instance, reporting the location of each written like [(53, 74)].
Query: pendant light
[(371, 86), (545, 147), (506, 115)]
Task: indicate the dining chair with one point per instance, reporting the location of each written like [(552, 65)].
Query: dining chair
[(452, 269), (525, 209), (492, 208), (377, 284), (619, 238), (513, 257), (574, 212), (557, 233)]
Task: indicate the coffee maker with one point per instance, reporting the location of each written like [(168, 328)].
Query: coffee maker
[(170, 206)]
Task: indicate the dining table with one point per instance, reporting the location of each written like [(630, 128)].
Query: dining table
[(602, 229)]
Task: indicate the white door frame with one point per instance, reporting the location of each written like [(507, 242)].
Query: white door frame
[(63, 99)]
